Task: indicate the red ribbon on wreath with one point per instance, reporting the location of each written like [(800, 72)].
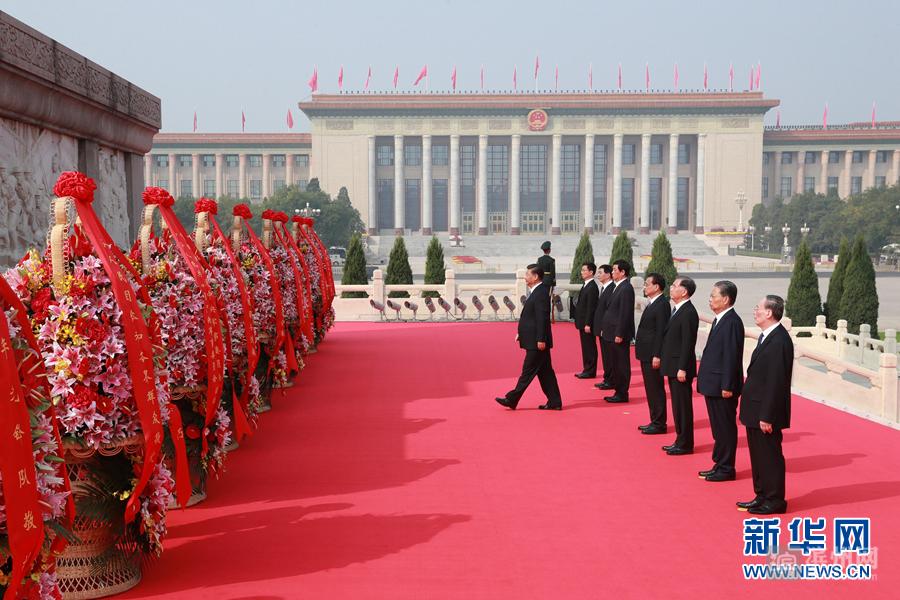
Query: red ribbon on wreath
[(304, 294)]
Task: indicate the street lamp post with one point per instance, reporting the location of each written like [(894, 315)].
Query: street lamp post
[(740, 200), (785, 247), (752, 230), (307, 211), (768, 230)]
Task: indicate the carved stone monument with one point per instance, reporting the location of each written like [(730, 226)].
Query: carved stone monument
[(59, 111)]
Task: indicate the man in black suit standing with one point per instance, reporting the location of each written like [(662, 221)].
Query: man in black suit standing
[(721, 377), (679, 363), (536, 338), (604, 274), (618, 330), (648, 349), (584, 317), (766, 407)]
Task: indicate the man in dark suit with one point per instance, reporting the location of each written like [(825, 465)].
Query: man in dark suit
[(766, 407), (584, 317), (679, 363), (618, 330), (721, 377), (604, 274), (648, 349), (536, 338)]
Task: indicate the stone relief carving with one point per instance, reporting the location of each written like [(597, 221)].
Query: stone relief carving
[(31, 159), (111, 197)]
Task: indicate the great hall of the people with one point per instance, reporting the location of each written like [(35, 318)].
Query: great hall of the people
[(555, 163)]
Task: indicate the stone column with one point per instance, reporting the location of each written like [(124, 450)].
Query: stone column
[(845, 177), (173, 185), (454, 185), (195, 177), (777, 188), (372, 218), (672, 212), (822, 188), (617, 183), (242, 175), (895, 169), (288, 169), (801, 172), (870, 168), (220, 181), (587, 206), (427, 205), (481, 196), (267, 162), (644, 218), (700, 204), (148, 169), (555, 208), (515, 209), (399, 187)]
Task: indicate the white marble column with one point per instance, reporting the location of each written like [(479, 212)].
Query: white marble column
[(895, 169), (242, 175), (148, 170), (822, 188), (515, 208), (173, 177), (454, 185), (870, 168), (672, 212), (587, 205), (288, 169), (266, 165), (700, 204), (195, 177), (799, 185), (481, 197), (846, 185), (556, 194), (372, 218), (644, 219), (617, 183), (778, 169), (399, 187), (220, 180), (427, 204)]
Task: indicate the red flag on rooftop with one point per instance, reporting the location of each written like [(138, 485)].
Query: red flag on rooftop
[(731, 77), (482, 78), (243, 121), (591, 77), (537, 66), (290, 120), (368, 78), (422, 75), (515, 77), (873, 114), (557, 77), (778, 118), (195, 121), (758, 74), (453, 78), (751, 78), (705, 78), (647, 75), (620, 77), (314, 81), (676, 76), (341, 78), (396, 76), (825, 117)]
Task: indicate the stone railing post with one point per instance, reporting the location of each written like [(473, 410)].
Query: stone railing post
[(890, 341), (520, 285), (378, 286), (887, 372), (449, 285), (865, 334), (820, 326), (841, 338)]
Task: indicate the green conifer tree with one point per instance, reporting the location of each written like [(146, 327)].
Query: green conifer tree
[(622, 249), (859, 302), (836, 286), (803, 300), (354, 268), (398, 269), (435, 270), (661, 260), (584, 252)]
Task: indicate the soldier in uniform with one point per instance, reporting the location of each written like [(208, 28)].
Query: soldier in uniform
[(548, 264)]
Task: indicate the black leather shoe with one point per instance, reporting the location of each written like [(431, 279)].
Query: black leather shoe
[(654, 430), (604, 385), (768, 509), (506, 403), (550, 407), (669, 447), (616, 399), (705, 474), (720, 476), (584, 376), (748, 505), (678, 451)]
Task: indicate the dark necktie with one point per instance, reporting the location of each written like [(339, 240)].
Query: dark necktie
[(674, 308), (715, 320), (759, 343)]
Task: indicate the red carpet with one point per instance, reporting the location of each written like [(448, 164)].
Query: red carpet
[(389, 472)]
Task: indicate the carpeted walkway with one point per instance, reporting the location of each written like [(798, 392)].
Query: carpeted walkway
[(389, 472)]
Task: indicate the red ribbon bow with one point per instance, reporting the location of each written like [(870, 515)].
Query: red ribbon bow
[(75, 184), (242, 210), (206, 205), (158, 196)]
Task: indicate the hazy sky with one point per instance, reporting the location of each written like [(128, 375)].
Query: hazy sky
[(219, 57)]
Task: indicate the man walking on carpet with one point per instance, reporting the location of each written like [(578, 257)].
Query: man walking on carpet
[(536, 338)]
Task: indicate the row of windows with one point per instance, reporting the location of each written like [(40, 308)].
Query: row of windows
[(232, 187), (231, 160), (834, 156), (809, 185)]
